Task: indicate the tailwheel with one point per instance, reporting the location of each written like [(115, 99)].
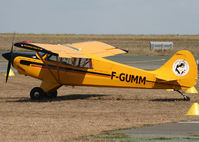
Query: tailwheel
[(51, 94), (186, 98), (36, 93)]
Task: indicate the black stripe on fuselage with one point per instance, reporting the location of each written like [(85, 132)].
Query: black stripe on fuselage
[(24, 62)]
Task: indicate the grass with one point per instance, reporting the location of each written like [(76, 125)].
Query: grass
[(136, 44), (173, 138), (195, 135), (114, 136), (162, 138), (147, 125), (191, 139), (108, 136)]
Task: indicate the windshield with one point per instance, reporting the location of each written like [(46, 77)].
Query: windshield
[(41, 54)]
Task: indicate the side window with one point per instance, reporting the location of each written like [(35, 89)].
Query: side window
[(78, 62), (67, 61), (84, 63)]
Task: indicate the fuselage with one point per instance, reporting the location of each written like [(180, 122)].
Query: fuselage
[(102, 73)]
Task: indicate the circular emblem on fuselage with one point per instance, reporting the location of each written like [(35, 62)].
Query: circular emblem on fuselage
[(180, 67)]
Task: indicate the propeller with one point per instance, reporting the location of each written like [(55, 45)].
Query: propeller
[(9, 63), (10, 58)]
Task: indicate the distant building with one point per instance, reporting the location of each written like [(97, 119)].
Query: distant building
[(156, 45)]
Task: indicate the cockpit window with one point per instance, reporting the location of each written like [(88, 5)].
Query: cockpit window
[(51, 57), (76, 62)]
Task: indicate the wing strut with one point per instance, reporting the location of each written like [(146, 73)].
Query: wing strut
[(58, 68), (57, 80)]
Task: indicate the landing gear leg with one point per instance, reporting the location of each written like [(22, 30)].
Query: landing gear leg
[(186, 98)]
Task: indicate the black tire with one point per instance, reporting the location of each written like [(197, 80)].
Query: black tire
[(51, 94), (37, 93)]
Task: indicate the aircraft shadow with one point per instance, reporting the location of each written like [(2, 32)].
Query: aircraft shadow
[(79, 97), (60, 98), (168, 100)]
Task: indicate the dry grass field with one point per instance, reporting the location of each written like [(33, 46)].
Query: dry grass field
[(82, 111), (136, 44)]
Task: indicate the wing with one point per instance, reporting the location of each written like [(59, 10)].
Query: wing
[(97, 48), (59, 50), (75, 50)]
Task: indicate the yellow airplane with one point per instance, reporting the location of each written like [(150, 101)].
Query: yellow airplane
[(82, 64)]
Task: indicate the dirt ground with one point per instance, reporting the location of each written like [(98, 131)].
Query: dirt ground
[(82, 111)]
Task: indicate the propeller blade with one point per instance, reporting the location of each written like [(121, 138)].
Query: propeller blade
[(9, 63)]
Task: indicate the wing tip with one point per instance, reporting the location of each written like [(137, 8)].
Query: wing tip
[(125, 50)]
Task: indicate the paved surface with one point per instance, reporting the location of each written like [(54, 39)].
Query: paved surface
[(183, 132), (174, 129), (143, 62)]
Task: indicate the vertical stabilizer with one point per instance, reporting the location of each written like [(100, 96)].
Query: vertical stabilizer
[(181, 68)]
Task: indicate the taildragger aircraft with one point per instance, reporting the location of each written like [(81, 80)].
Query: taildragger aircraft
[(82, 64)]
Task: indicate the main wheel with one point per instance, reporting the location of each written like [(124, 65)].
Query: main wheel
[(36, 93), (51, 94)]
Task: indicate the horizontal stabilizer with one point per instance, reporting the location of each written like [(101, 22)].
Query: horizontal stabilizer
[(165, 78)]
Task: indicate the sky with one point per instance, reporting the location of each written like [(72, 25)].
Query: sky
[(100, 16)]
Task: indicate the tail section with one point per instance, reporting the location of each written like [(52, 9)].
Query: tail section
[(181, 68)]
